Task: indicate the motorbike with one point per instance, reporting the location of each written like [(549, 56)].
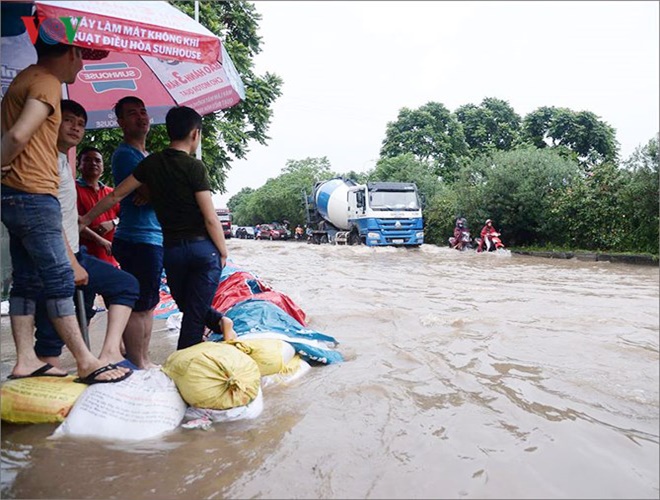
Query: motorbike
[(492, 243), (465, 243)]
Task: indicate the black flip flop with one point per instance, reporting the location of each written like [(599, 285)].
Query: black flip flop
[(39, 372), (91, 378)]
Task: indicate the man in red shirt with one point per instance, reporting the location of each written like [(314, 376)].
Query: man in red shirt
[(97, 238)]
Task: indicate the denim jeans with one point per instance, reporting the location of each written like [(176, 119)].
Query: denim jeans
[(114, 285), (38, 254), (193, 274), (145, 262)]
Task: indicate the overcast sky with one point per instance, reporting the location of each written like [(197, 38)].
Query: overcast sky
[(349, 67)]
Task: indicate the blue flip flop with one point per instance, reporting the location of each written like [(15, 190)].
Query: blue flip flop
[(39, 372), (127, 363)]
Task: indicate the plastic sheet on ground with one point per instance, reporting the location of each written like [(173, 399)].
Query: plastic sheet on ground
[(270, 321)]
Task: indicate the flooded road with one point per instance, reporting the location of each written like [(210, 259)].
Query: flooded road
[(466, 376)]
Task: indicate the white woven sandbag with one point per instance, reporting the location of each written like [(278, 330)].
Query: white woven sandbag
[(196, 417), (145, 405)]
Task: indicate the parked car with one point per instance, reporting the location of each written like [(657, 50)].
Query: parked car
[(268, 232), (245, 232)]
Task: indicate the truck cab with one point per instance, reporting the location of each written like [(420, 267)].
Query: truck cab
[(385, 213)]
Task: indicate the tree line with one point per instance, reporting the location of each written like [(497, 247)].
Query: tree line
[(551, 179)]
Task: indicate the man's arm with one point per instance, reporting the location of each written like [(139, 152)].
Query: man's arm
[(33, 115), (212, 223), (127, 186), (80, 276)]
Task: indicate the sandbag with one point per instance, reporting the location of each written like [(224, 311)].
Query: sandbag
[(293, 370), (145, 405), (271, 355), (214, 375), (38, 400), (198, 417)]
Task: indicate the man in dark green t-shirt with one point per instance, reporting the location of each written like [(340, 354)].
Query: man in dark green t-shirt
[(194, 244)]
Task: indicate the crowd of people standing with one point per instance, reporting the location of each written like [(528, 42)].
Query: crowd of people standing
[(68, 233)]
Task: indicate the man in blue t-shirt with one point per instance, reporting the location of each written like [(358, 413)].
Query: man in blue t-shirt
[(138, 241)]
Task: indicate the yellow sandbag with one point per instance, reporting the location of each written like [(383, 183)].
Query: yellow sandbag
[(214, 375), (271, 355), (38, 400)]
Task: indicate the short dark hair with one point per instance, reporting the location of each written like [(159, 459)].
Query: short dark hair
[(86, 150), (46, 50), (180, 121), (74, 108), (129, 99)]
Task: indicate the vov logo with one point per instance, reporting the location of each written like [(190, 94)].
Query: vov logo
[(52, 30)]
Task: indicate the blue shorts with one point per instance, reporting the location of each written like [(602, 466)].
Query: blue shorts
[(145, 262)]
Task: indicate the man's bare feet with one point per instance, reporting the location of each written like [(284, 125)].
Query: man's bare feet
[(115, 373), (52, 360), (29, 369)]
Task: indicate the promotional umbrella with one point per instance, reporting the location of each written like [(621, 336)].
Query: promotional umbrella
[(147, 49)]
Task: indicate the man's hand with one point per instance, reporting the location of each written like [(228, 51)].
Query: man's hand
[(141, 196), (80, 276), (107, 246)]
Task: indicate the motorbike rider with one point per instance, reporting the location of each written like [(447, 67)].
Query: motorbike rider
[(459, 230), (299, 233), (487, 234)]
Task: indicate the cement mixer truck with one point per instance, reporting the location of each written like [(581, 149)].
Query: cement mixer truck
[(374, 214)]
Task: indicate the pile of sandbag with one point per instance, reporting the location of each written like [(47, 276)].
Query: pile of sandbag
[(214, 381)]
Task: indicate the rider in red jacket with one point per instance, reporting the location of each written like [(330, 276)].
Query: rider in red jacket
[(486, 233)]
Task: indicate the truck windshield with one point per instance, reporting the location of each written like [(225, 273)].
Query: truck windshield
[(394, 200)]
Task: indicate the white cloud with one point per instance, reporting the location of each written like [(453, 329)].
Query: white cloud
[(349, 67)]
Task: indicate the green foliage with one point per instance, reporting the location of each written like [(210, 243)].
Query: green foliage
[(281, 197), (430, 132), (515, 189), (640, 198), (590, 211), (591, 140), (440, 214), (227, 133), (490, 127)]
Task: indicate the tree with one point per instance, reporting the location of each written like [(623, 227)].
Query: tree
[(227, 133), (281, 197), (590, 213), (515, 189), (430, 132), (582, 135), (492, 126), (640, 197)]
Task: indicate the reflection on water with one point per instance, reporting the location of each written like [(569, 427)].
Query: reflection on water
[(467, 375)]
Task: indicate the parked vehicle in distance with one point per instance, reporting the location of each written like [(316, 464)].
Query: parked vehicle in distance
[(282, 228), (225, 219), (245, 232), (268, 232)]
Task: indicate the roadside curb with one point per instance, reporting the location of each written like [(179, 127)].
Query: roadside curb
[(644, 260)]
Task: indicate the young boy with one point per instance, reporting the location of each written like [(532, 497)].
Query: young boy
[(194, 244)]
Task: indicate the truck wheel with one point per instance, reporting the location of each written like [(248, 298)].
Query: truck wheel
[(354, 238), (324, 238)]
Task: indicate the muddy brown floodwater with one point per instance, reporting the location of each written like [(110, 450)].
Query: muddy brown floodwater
[(466, 376)]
